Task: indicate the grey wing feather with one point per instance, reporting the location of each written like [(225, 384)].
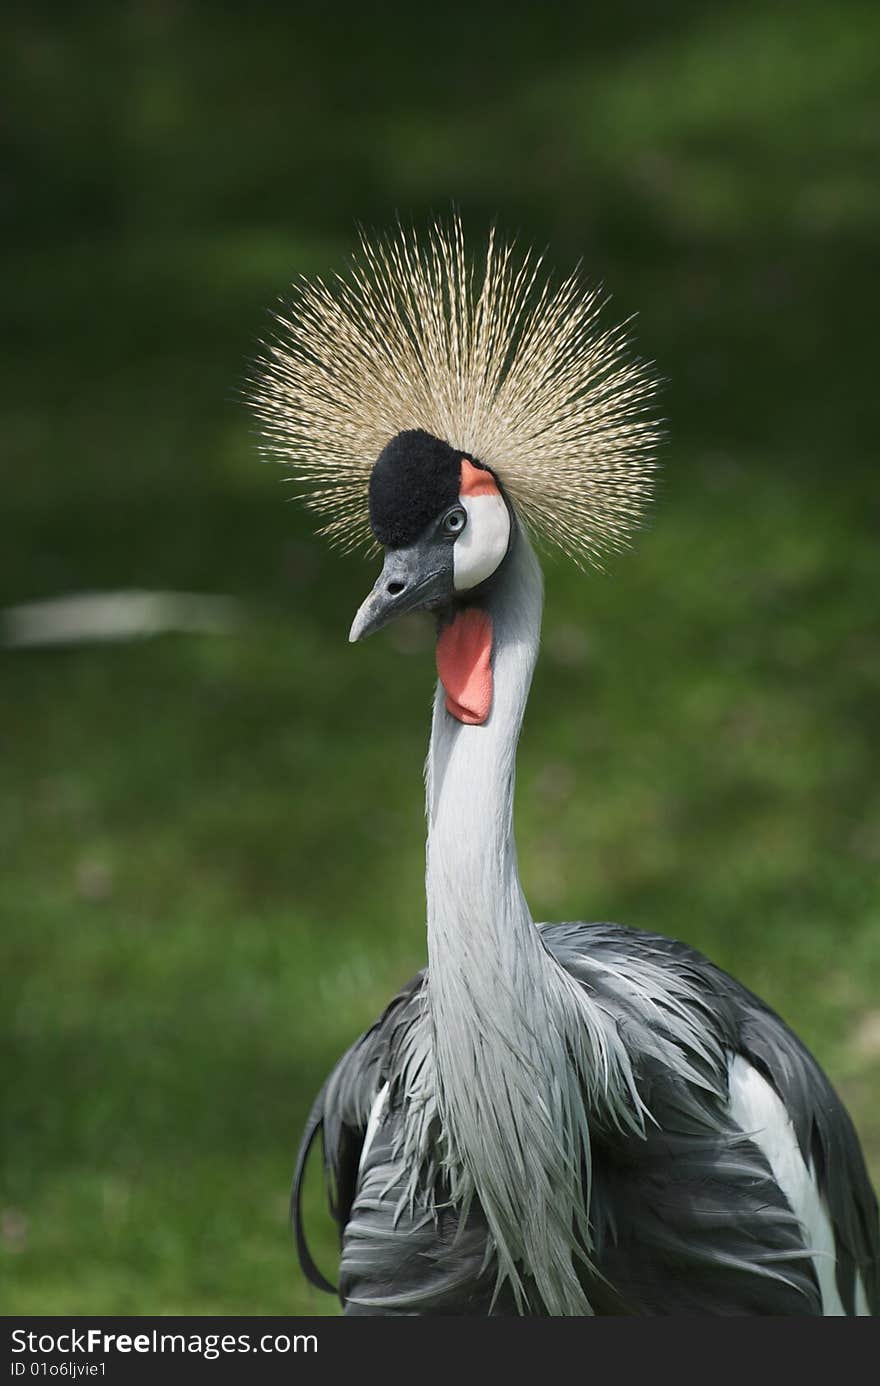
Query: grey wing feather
[(312, 1130), (339, 1115), (826, 1138), (824, 1131)]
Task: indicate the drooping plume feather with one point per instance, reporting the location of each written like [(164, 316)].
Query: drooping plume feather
[(496, 361)]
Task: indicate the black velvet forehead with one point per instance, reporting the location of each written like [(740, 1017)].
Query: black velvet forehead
[(416, 478)]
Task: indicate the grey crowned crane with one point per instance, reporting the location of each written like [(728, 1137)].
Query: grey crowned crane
[(565, 1119)]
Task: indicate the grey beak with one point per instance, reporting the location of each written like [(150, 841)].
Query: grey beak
[(404, 585)]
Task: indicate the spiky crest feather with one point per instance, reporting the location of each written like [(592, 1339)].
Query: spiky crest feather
[(503, 364)]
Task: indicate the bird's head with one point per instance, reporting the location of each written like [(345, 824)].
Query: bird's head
[(445, 525), (507, 405)]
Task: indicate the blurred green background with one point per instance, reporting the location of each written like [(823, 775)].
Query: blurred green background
[(212, 844)]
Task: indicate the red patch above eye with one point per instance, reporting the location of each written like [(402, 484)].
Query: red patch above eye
[(476, 481), (464, 654)]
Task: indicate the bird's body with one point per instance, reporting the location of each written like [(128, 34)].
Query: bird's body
[(711, 1212), (560, 1120), (586, 1072)]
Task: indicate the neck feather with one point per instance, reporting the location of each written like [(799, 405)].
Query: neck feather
[(474, 893), (520, 1053)]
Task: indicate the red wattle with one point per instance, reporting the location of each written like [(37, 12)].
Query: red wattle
[(464, 663)]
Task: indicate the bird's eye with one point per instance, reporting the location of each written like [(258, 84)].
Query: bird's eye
[(455, 521)]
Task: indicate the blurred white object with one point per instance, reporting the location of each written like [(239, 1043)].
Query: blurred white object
[(85, 616)]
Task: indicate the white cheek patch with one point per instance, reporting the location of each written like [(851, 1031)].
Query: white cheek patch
[(483, 542)]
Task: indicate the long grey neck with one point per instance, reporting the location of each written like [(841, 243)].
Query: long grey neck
[(475, 902), (516, 1044)]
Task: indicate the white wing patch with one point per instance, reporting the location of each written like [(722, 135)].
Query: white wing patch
[(759, 1112), (374, 1121), (482, 543)]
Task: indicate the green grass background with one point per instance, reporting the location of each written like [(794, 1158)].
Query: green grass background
[(212, 846)]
